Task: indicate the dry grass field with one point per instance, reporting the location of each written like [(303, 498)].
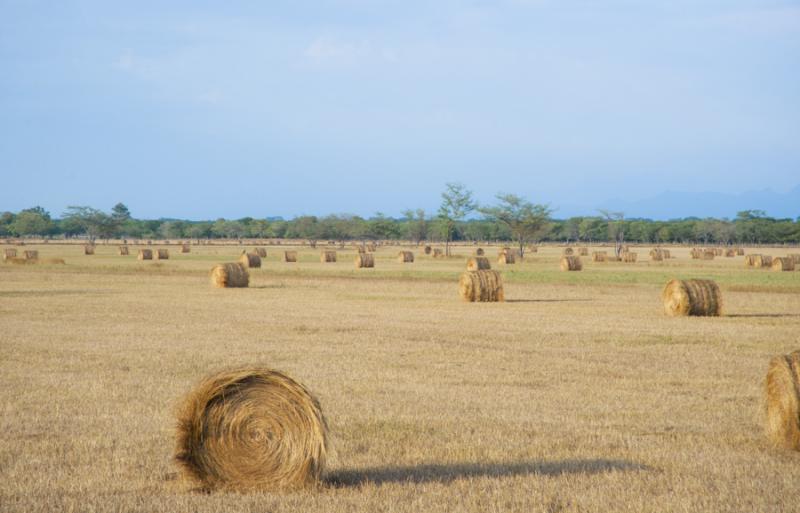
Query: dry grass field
[(576, 394)]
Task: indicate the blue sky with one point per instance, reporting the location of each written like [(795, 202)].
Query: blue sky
[(225, 109)]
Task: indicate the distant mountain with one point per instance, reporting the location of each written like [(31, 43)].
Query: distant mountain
[(674, 204)]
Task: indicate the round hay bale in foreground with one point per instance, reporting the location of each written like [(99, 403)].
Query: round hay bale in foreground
[(405, 257), (251, 429), (365, 260), (571, 263), (692, 297), (250, 260), (782, 401), (230, 275), (478, 264), (483, 286), (290, 256)]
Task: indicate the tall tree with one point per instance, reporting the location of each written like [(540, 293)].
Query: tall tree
[(456, 204), (525, 220), (416, 225), (616, 229), (94, 222)]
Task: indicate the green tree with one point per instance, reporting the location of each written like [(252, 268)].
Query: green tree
[(93, 222), (456, 204), (31, 221), (416, 225), (526, 221)]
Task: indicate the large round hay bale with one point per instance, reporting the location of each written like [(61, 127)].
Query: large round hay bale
[(161, 254), (365, 260), (88, 249), (739, 251), (795, 258), (629, 257), (251, 429), (145, 254), (230, 275), (782, 401), (730, 253), (709, 254), (261, 252), (692, 297), (438, 253), (483, 286), (327, 256), (479, 252), (9, 253), (762, 261), (656, 255), (568, 251), (186, 248), (782, 264), (478, 264), (290, 256), (583, 251), (506, 256), (599, 256), (123, 250), (750, 260), (405, 257), (31, 254), (571, 263), (250, 260), (428, 250)]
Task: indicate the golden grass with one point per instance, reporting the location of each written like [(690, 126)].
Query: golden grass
[(251, 429), (576, 394)]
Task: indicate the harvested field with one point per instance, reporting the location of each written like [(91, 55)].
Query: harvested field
[(575, 394)]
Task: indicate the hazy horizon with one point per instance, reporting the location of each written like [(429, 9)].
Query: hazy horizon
[(198, 111)]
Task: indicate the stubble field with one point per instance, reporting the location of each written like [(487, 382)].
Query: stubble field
[(577, 394)]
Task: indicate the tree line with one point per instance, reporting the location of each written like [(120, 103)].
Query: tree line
[(459, 218)]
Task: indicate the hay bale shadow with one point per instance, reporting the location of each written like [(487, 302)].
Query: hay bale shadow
[(547, 300), (766, 315), (446, 473)]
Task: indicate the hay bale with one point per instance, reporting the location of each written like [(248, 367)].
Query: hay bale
[(405, 257), (365, 260), (571, 263), (696, 253), (479, 252), (507, 256), (795, 258), (428, 250), (629, 257), (583, 251), (250, 260), (145, 254), (750, 260), (251, 429), (372, 247), (31, 254), (656, 255), (123, 250), (327, 256), (599, 256), (782, 401), (665, 253), (262, 252), (730, 253), (290, 256), (568, 251), (9, 253), (161, 254), (718, 251), (88, 249), (482, 286), (782, 264), (709, 254), (438, 253), (185, 248), (478, 264), (230, 275), (739, 251), (692, 297), (762, 261)]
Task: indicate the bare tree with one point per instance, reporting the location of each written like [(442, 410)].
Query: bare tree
[(616, 229)]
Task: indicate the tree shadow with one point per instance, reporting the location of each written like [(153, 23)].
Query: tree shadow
[(768, 315), (445, 473), (547, 300)]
